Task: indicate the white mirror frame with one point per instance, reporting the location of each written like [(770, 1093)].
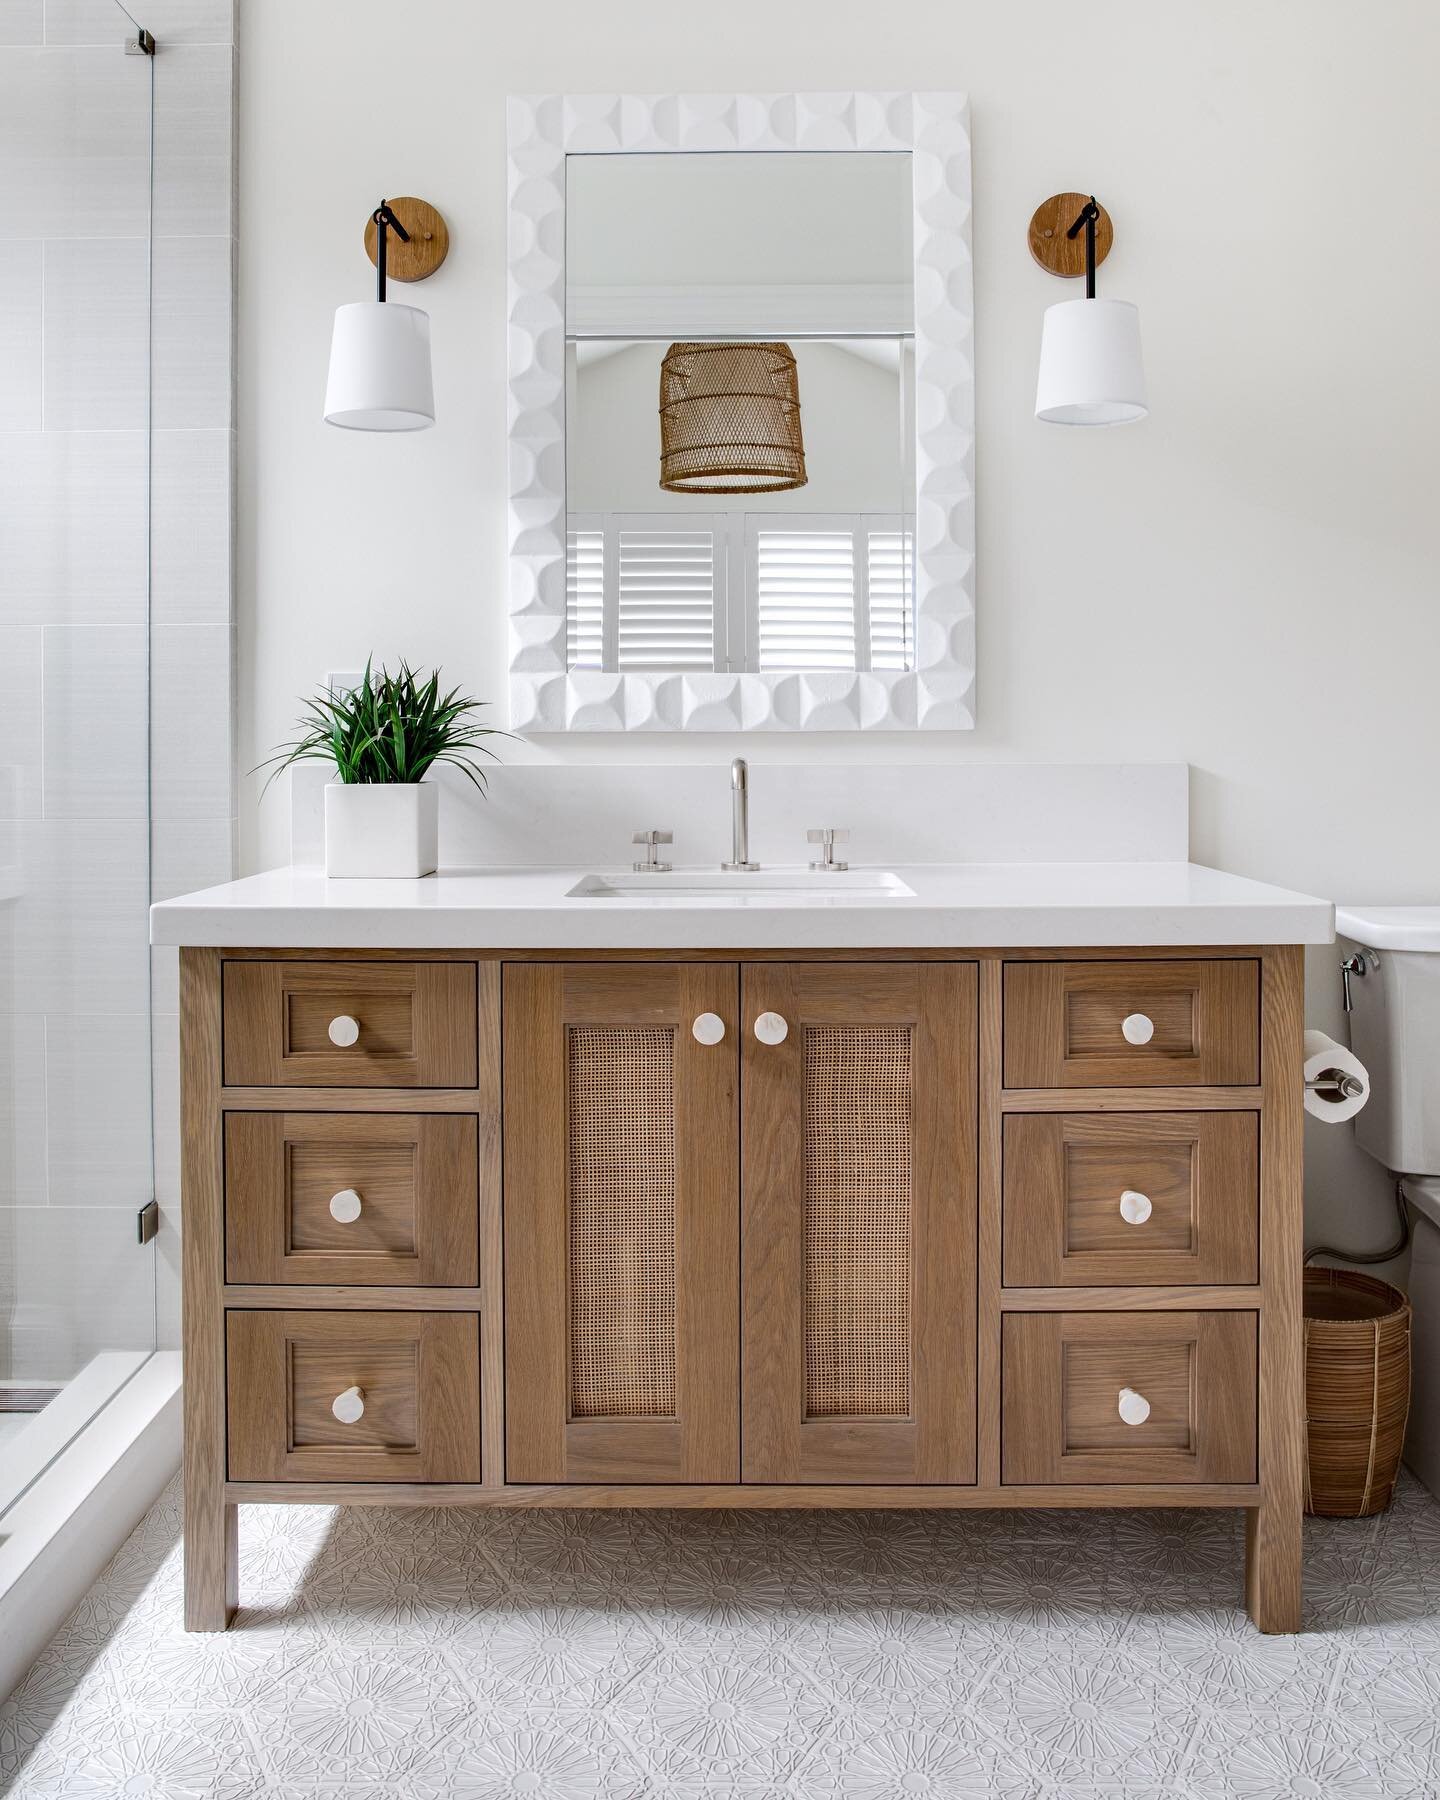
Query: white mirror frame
[(939, 693)]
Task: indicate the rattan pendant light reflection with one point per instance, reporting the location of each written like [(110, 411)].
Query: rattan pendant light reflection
[(730, 419)]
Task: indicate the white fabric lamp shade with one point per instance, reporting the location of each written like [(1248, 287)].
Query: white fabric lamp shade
[(380, 368), (1090, 367)]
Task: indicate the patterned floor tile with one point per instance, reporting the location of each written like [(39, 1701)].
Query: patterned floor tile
[(1215, 1658), (373, 1714), (874, 1759), (563, 1657), (198, 1757), (1268, 1758), (1088, 1714), (567, 1756), (443, 1654), (707, 1717)]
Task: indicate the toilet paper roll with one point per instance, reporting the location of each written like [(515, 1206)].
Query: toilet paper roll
[(1323, 1056)]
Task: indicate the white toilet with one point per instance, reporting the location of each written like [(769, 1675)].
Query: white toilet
[(1395, 1031)]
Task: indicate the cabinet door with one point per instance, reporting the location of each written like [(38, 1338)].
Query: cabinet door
[(859, 1215), (621, 1223)]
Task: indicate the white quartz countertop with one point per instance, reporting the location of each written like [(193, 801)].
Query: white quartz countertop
[(953, 906)]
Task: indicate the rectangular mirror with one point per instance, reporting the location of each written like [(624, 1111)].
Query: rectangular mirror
[(739, 410), (764, 515)]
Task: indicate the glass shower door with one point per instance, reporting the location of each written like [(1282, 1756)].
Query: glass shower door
[(77, 1287)]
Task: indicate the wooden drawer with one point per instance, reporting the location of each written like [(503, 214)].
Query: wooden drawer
[(419, 1381), (417, 1024), (293, 1180), (1066, 1175), (1063, 1374), (1066, 1024)]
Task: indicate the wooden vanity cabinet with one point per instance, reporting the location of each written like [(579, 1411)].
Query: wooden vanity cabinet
[(735, 1240), (976, 1228), (857, 1197), (621, 1223)]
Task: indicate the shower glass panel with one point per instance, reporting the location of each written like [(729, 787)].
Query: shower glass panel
[(77, 1287)]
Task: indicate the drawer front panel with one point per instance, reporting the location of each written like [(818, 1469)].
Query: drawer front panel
[(1119, 1398), (412, 1024), (1131, 1199), (356, 1199), (327, 1396), (1140, 1024)]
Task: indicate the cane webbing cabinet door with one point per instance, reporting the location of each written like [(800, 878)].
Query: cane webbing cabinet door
[(858, 1222), (621, 1223)]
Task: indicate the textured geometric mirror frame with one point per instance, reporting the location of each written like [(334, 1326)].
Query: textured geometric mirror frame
[(939, 692)]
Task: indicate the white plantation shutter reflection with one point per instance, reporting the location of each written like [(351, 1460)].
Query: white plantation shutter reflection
[(803, 591), (890, 553), (585, 591), (668, 583), (762, 591)]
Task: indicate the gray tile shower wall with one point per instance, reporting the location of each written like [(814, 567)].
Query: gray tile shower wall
[(82, 830)]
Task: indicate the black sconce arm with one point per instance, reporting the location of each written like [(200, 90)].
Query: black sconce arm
[(385, 221), (1087, 218)]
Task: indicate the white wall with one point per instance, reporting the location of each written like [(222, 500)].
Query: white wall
[(1225, 584)]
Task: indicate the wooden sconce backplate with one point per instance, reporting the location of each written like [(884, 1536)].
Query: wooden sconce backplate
[(1049, 245), (429, 240)]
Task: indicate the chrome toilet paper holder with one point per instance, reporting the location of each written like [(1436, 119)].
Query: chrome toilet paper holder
[(1334, 1085)]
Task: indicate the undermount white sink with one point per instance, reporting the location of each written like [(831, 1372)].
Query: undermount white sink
[(766, 885)]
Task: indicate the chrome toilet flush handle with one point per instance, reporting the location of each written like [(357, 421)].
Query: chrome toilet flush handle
[(1134, 1408), (349, 1407), (343, 1031)]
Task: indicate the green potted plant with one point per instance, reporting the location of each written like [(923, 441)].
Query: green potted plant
[(383, 737)]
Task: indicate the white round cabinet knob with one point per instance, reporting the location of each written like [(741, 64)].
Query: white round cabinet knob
[(1134, 1408), (771, 1028), (344, 1031), (349, 1407), (345, 1206), (709, 1028), (1137, 1029), (1135, 1207)]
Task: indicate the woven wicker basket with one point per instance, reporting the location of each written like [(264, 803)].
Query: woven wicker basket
[(1357, 1391)]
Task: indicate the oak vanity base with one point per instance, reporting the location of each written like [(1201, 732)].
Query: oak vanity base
[(595, 1241)]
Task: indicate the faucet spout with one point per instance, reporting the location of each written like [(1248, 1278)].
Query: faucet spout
[(740, 803)]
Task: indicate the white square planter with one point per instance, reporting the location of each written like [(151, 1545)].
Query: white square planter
[(375, 828)]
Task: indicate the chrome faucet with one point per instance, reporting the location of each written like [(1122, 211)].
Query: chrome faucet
[(740, 796)]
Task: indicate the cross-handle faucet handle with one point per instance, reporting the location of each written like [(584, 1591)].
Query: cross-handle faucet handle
[(652, 841), (828, 838)]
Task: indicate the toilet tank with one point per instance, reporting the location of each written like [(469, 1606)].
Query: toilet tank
[(1395, 1031)]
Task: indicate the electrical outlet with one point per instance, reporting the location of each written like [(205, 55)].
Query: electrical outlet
[(338, 683)]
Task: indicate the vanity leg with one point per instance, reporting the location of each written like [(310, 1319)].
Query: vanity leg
[(211, 1560), (1273, 1529), (1272, 1565), (211, 1551)]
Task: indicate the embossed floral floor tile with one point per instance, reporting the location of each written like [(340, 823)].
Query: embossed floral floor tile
[(453, 1655)]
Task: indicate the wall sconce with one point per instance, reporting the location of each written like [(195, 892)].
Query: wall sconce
[(1091, 372), (380, 353)]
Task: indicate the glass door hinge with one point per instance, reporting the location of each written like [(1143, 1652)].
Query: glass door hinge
[(142, 44), (147, 1221)]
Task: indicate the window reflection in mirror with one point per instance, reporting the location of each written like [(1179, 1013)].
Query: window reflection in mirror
[(739, 328)]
